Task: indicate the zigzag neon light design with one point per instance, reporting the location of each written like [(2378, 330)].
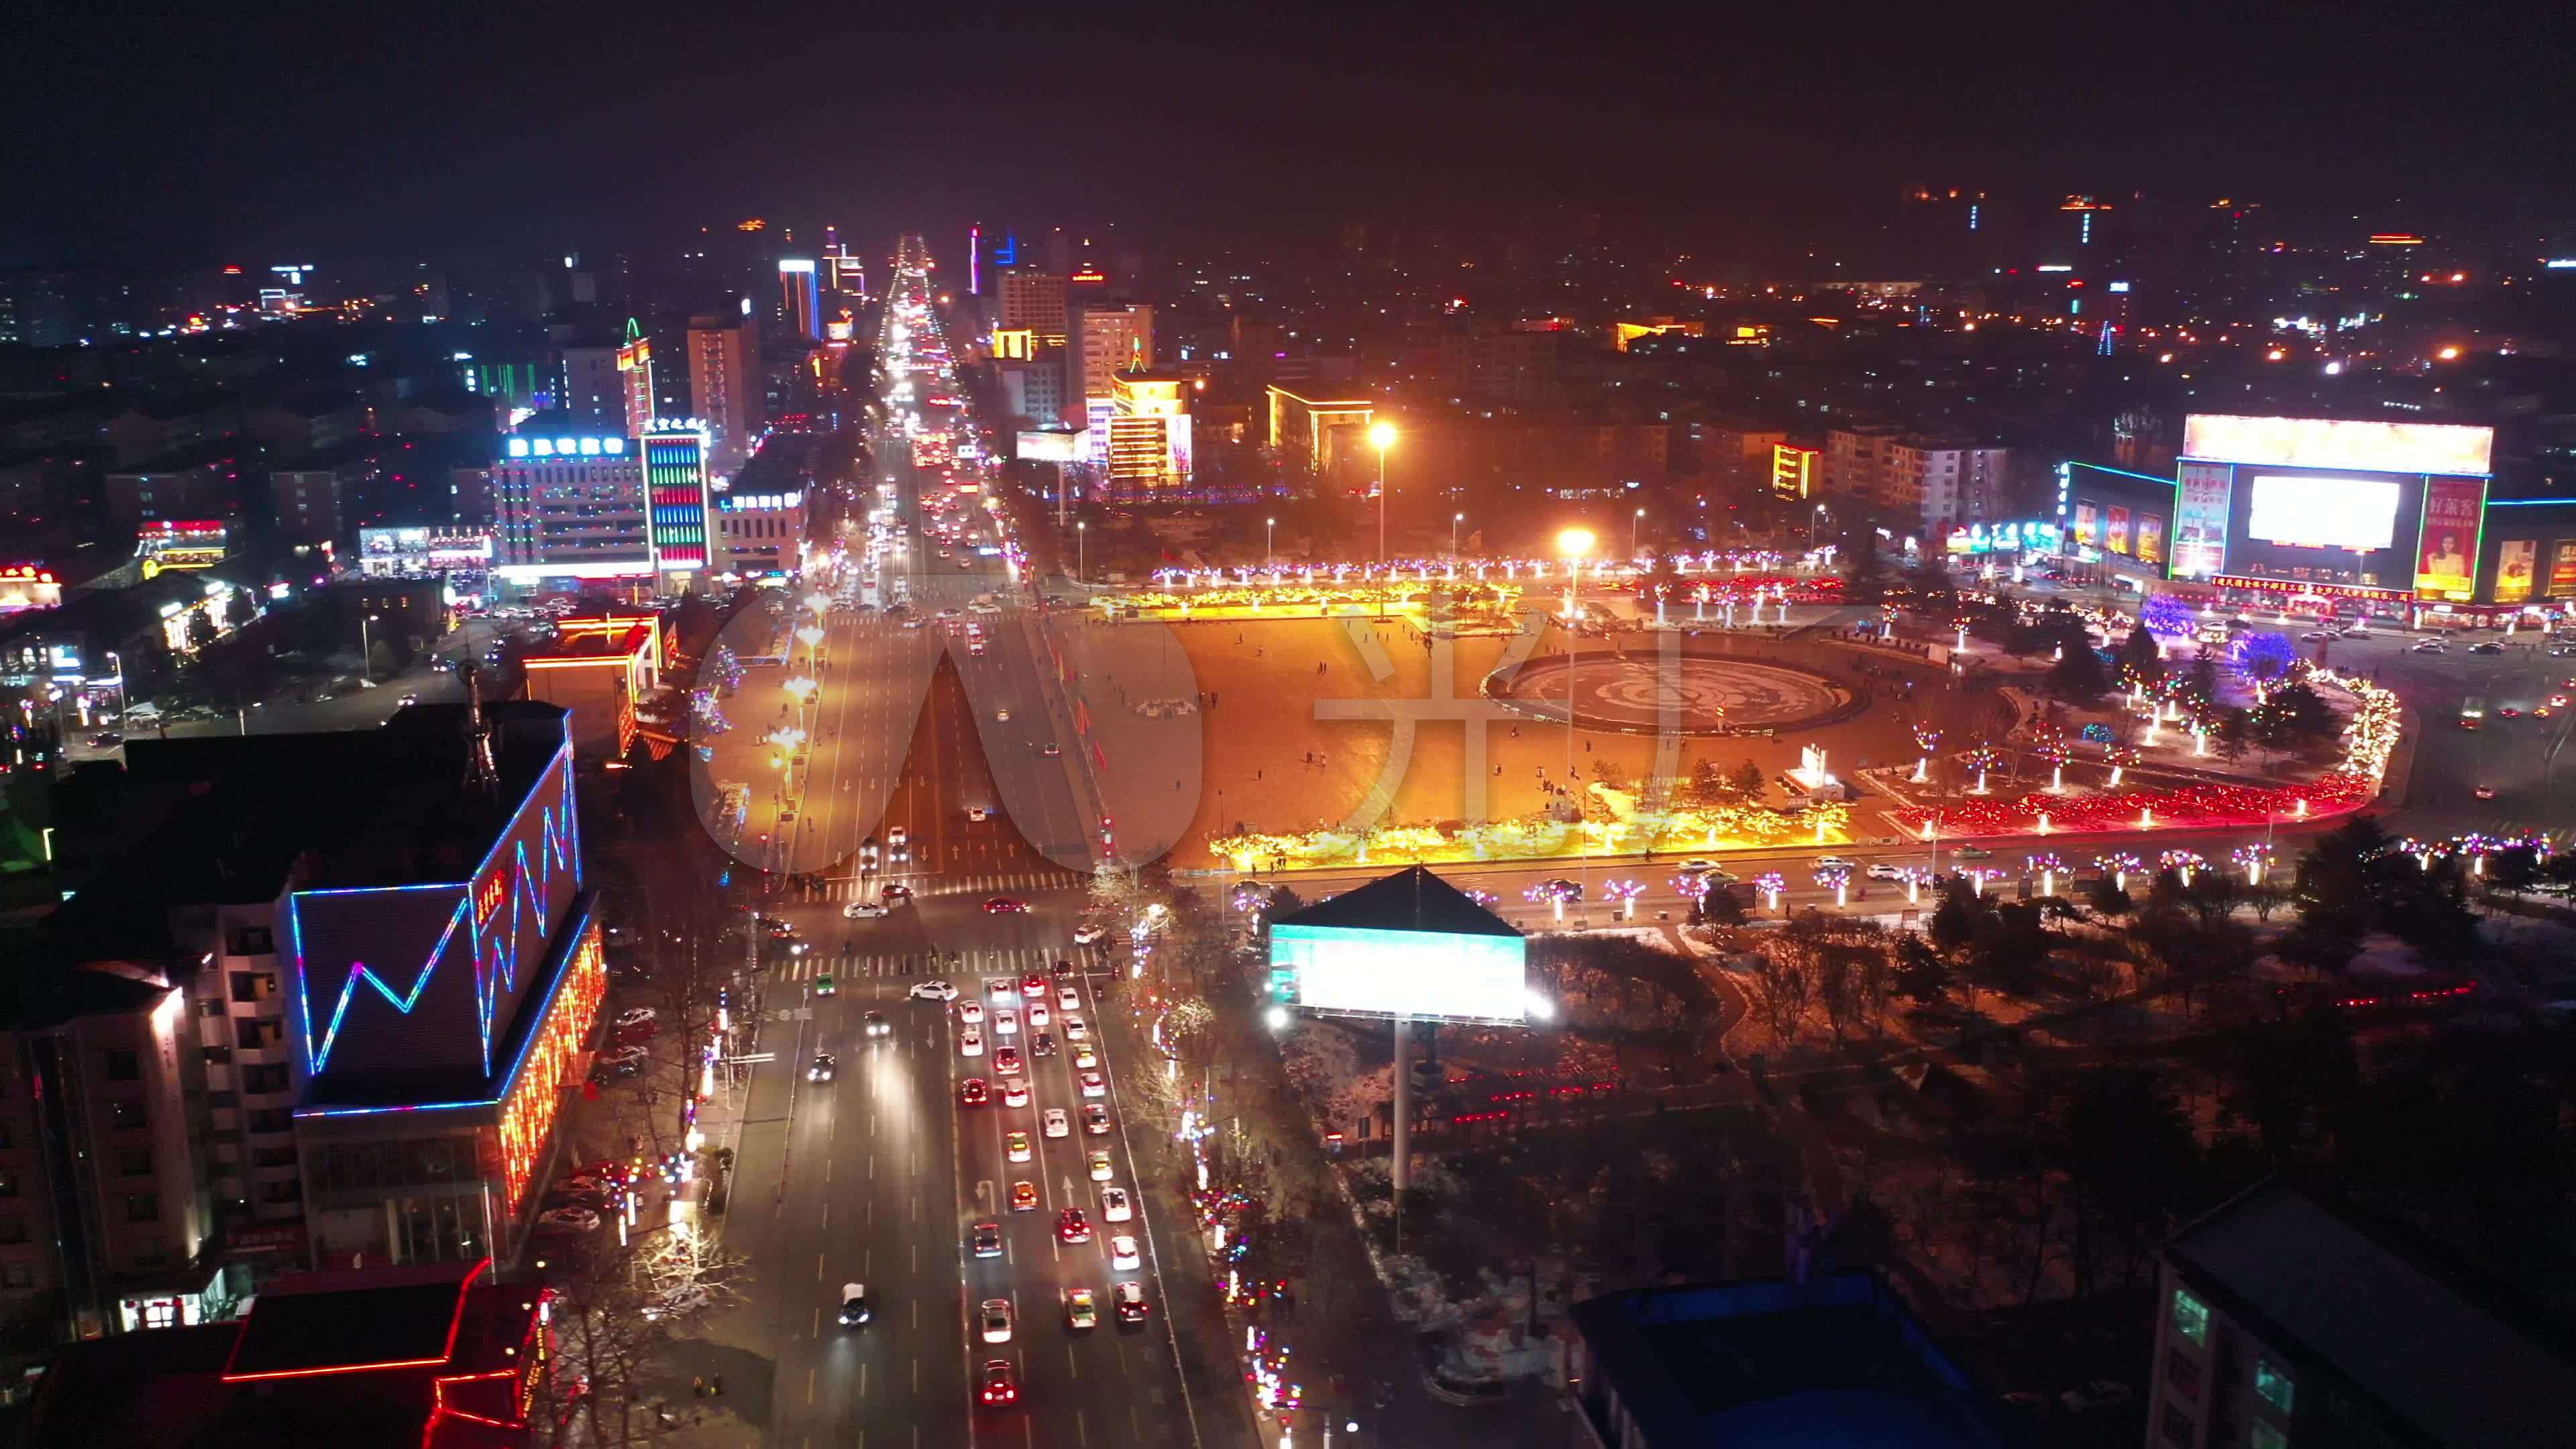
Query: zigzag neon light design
[(495, 971)]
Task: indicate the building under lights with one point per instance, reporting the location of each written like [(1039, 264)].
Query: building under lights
[(1148, 443), (568, 513), (800, 297), (321, 1007)]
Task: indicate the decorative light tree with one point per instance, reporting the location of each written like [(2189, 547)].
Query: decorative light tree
[(2182, 863), (2119, 865), (1838, 878), (1927, 739), (2119, 758), (2047, 865), (1771, 883), (2256, 860), (1625, 892)]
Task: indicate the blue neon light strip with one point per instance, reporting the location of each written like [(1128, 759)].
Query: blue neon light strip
[(493, 973), (2530, 502), (2125, 473)]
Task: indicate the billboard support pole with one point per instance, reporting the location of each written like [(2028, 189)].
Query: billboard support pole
[(1402, 1172)]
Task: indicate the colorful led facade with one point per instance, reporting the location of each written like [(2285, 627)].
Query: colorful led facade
[(550, 1065), (675, 491)]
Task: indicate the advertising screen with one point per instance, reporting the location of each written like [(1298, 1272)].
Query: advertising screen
[(2515, 563), (2315, 512), (1403, 973), (2087, 533), (2115, 535), (2562, 569), (2447, 561), (2364, 447), (2201, 494), (2151, 539)]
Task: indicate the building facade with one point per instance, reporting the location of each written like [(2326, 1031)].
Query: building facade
[(725, 382), (569, 514)]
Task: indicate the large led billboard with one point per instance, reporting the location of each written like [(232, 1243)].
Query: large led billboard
[(1425, 974), (2328, 443), (2322, 512)]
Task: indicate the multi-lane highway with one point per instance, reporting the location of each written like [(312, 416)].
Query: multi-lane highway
[(881, 1174)]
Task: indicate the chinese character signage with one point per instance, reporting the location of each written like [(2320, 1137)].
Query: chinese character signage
[(2446, 563), (2562, 569), (2201, 496)]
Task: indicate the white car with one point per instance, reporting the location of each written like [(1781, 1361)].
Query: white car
[(1123, 1254), (1068, 998), (970, 1013), (996, 1317), (1881, 870), (932, 991), (1094, 1085), (1001, 986), (1056, 1123), (863, 911), (1075, 1028), (1100, 1171), (1114, 1206), (978, 814), (1002, 715), (970, 1043), (636, 1016), (1006, 1023), (1088, 934)]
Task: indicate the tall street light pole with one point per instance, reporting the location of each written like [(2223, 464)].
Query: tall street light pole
[(1454, 520), (1382, 437), (1081, 550), (1269, 559), (1634, 524)]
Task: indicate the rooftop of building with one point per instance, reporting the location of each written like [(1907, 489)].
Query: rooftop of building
[(347, 809), (347, 453), (1413, 899), (164, 406), (421, 1355), (2387, 1311), (1836, 1360), (209, 453)]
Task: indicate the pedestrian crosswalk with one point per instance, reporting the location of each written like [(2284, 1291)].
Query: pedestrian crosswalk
[(844, 966), (853, 888)]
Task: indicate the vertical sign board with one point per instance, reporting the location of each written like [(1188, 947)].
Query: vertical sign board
[(2516, 561), (2562, 569), (2446, 559), (2115, 537), (675, 491), (2151, 539), (2201, 498)]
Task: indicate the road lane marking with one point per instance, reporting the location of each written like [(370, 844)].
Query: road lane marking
[(809, 1385), (818, 1267), (1081, 1435), (1070, 1365), (863, 1379)]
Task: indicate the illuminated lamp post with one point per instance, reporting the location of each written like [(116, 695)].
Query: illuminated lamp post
[(1636, 522), (1269, 558), (1454, 520), (1928, 739), (1840, 879), (1381, 436), (2047, 865), (1771, 883)]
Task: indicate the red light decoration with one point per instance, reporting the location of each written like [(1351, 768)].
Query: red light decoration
[(529, 1114), (445, 1355)]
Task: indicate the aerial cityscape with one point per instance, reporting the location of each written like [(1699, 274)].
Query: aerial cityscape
[(1499, 731)]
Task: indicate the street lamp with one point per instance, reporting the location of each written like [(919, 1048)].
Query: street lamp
[(1381, 436), (1454, 520), (1635, 523), (365, 669), (1081, 550), (1269, 559)]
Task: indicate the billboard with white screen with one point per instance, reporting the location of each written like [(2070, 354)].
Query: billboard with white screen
[(2323, 512), (1425, 974), (2361, 446)]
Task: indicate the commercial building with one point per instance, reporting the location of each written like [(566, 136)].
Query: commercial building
[(589, 385), (759, 535), (323, 1007), (2116, 526), (1322, 429), (459, 558), (635, 378), (1034, 301), (568, 510), (1927, 484), (321, 498), (800, 298), (1796, 472), (2286, 1319), (725, 381), (1148, 447), (203, 480), (1832, 1359), (675, 487), (596, 668), (1034, 388), (1109, 338)]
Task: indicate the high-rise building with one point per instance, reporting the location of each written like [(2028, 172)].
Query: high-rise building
[(675, 487), (635, 372), (1930, 483), (1033, 387), (800, 298), (569, 509), (590, 388), (1033, 300), (1111, 337), (1148, 447), (725, 386)]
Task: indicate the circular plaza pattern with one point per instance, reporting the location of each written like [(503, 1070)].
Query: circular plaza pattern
[(1707, 695)]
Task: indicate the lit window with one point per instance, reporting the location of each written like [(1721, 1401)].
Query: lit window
[(2271, 1385), (2190, 1317)]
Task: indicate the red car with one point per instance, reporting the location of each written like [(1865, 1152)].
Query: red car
[(893, 893), (973, 1093), (999, 1386), (1072, 1226), (1006, 1060), (1004, 906), (1033, 985)]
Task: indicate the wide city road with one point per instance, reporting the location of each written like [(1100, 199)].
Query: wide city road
[(881, 1174)]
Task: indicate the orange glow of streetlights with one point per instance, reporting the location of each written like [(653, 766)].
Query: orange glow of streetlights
[(1381, 436)]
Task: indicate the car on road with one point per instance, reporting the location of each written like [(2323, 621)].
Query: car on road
[(2509, 712), (1067, 998), (2488, 647), (1006, 1060), (996, 1384), (898, 844), (1122, 1253), (2557, 701), (970, 1013), (970, 1043), (973, 1092), (823, 1068), (1834, 862), (1002, 715), (1015, 1146), (2316, 636), (1094, 1084), (1006, 1023), (1005, 906), (826, 985), (1129, 1299), (2428, 646), (870, 852), (854, 1304), (1073, 1225), (1973, 852), (1050, 749), (978, 814), (1080, 1309), (1038, 1015), (932, 991), (635, 1016), (1084, 1058), (892, 894), (2484, 792), (1114, 1206), (1097, 1164), (1000, 987), (1085, 934), (1033, 985), (1561, 889), (1015, 1093), (1885, 870), (865, 910), (1055, 1123), (995, 1320), (2096, 1394), (1024, 1197), (568, 1219), (875, 1024), (1042, 1044), (1095, 1119)]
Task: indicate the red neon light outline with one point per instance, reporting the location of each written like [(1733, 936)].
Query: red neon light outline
[(455, 1322)]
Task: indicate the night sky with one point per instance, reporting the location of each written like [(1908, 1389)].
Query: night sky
[(190, 132)]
